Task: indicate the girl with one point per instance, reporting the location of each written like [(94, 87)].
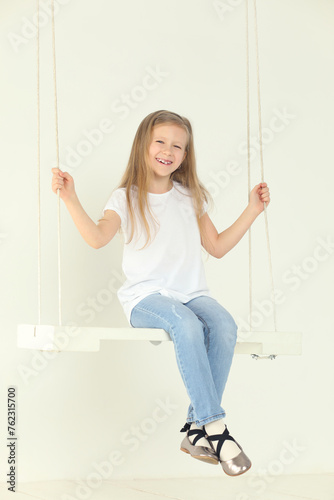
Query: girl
[(161, 208)]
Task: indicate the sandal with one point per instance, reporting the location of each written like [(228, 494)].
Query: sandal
[(202, 453), (235, 466)]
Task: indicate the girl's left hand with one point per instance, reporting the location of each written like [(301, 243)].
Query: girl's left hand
[(258, 196)]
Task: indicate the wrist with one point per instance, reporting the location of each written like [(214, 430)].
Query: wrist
[(71, 200), (252, 211)]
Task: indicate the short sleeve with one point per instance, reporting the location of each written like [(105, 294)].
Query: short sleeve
[(117, 202)]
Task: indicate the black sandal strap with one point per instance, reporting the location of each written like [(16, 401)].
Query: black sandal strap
[(199, 433), (185, 428), (221, 438)]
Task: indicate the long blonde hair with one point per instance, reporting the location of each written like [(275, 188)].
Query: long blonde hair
[(138, 171)]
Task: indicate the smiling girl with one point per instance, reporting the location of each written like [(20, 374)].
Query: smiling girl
[(160, 207)]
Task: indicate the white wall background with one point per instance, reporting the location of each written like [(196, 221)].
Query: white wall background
[(75, 410)]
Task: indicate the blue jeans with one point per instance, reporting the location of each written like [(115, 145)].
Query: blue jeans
[(204, 336)]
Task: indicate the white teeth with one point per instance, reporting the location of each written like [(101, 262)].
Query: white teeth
[(164, 161)]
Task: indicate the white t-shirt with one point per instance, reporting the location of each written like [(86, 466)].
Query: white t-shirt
[(172, 263)]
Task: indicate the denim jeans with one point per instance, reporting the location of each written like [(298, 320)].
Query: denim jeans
[(204, 336)]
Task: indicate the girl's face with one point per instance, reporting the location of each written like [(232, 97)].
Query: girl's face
[(167, 149)]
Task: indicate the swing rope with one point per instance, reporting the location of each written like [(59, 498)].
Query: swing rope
[(249, 179), (262, 169), (57, 149), (38, 175), (38, 162)]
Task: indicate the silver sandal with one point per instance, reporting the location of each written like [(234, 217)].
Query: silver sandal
[(202, 453), (235, 466)]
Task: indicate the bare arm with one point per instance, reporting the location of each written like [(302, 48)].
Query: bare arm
[(96, 235), (219, 244)]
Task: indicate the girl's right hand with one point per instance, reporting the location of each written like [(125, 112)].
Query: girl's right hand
[(64, 182)]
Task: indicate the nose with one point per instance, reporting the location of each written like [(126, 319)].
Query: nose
[(167, 149)]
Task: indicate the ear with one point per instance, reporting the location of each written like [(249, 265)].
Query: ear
[(185, 154)]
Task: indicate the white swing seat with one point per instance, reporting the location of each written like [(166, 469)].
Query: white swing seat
[(87, 339)]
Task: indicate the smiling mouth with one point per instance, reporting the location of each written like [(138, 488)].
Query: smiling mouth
[(164, 162)]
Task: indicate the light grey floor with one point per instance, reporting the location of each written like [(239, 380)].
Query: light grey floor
[(306, 487)]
